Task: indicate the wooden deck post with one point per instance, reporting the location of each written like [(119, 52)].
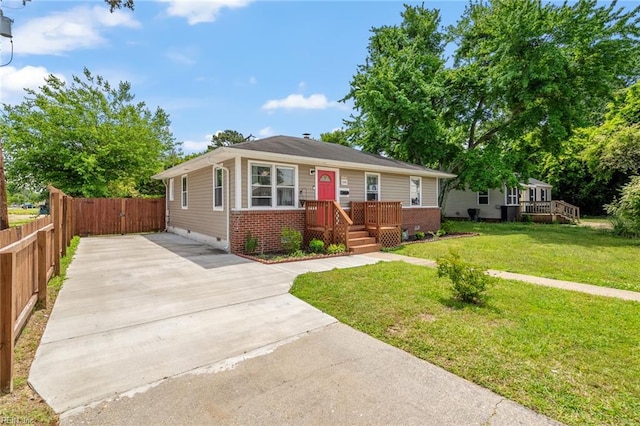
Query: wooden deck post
[(7, 318), (42, 268)]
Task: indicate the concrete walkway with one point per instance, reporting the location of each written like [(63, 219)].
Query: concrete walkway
[(548, 282), (158, 329)]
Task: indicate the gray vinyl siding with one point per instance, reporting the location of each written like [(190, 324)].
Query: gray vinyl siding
[(199, 215), (392, 187), (459, 201)]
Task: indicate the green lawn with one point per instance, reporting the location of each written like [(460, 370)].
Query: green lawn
[(571, 356), (566, 252)]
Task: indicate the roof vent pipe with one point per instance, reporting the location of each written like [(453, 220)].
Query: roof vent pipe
[(306, 135)]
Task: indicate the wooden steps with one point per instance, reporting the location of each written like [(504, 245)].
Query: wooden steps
[(360, 241)]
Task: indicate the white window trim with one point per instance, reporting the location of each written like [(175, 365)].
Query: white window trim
[(478, 198), (170, 184), (221, 206), (366, 174), (506, 196), (184, 200), (274, 193), (419, 191), (544, 194)]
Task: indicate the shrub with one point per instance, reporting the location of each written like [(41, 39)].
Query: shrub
[(446, 227), (469, 282), (250, 243), (316, 246), (336, 248), (625, 211), (291, 240), (419, 235)]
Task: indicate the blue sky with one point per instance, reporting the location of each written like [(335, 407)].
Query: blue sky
[(259, 67)]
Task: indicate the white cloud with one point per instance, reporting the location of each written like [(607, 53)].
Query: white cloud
[(200, 11), (14, 81), (183, 56), (297, 101), (266, 132), (301, 86), (253, 80), (61, 32), (190, 147)]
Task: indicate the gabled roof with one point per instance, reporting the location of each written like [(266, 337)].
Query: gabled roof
[(536, 182), (300, 150)]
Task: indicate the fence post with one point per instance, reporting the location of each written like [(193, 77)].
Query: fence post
[(65, 224), (42, 269), (57, 231), (7, 318), (123, 217)]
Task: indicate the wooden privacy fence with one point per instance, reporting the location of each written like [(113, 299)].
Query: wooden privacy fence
[(29, 257), (101, 216)]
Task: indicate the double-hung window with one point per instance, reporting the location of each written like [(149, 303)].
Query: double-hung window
[(218, 193), (415, 190), (372, 186), (532, 194), (272, 185), (544, 194), (185, 197), (483, 198), (512, 196)]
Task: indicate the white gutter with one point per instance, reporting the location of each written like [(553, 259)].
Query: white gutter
[(194, 164)]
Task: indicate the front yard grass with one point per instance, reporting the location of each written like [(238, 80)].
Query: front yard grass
[(566, 252), (571, 356)]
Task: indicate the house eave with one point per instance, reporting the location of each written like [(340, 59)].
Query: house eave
[(224, 153)]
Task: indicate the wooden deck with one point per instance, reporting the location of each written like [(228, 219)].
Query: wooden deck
[(369, 225), (550, 211)]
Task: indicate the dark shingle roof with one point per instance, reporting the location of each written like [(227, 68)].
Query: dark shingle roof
[(533, 181), (303, 147)]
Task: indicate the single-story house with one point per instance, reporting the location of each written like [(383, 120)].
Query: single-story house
[(324, 190), (533, 198)]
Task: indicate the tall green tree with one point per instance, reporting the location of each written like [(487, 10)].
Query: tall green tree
[(524, 75), (119, 4), (338, 136), (226, 138), (597, 161), (85, 137)]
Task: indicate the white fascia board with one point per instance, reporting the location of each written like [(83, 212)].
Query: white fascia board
[(295, 159)]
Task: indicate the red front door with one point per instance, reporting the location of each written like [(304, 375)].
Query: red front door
[(326, 184), (326, 181)]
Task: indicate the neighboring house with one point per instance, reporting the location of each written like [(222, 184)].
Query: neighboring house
[(532, 198), (324, 190)]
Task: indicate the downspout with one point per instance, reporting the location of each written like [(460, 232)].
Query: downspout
[(228, 203), (166, 204)]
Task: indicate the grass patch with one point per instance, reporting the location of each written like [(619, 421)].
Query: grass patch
[(566, 252), (21, 211), (24, 405), (570, 356)]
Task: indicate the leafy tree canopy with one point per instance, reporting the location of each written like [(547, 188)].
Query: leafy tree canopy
[(524, 76), (87, 138), (597, 161), (338, 136), (119, 4), (226, 138)]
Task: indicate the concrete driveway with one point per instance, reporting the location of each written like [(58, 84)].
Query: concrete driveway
[(157, 329)]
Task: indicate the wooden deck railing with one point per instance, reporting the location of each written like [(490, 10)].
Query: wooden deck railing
[(29, 256), (328, 221), (382, 218), (554, 207)]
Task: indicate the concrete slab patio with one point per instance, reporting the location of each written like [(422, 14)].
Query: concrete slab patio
[(157, 329)]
